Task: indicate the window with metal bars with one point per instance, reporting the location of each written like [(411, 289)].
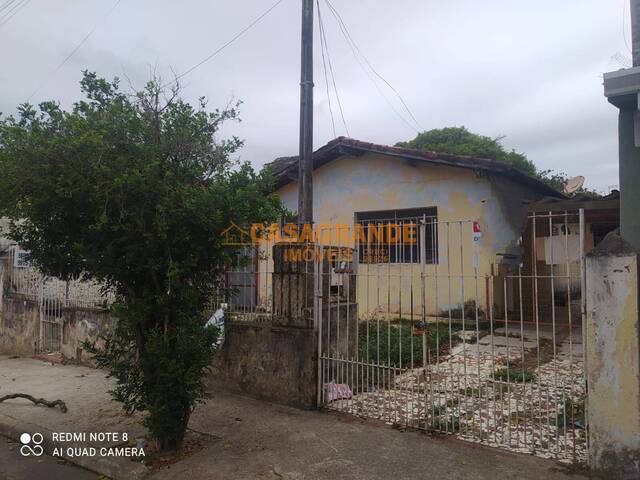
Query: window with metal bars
[(378, 244)]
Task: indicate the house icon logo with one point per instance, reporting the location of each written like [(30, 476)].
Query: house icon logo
[(235, 236)]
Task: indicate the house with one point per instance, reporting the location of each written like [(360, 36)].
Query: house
[(548, 287), (473, 212)]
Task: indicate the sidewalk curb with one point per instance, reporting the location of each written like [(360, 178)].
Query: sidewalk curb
[(116, 469)]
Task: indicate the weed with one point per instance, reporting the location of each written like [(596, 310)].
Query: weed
[(515, 375), (392, 342)]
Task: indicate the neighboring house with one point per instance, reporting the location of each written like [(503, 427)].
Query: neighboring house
[(553, 254), (355, 182)]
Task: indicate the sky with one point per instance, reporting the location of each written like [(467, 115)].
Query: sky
[(530, 72)]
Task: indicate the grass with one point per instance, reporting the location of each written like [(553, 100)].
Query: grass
[(394, 343), (515, 375), (449, 423)]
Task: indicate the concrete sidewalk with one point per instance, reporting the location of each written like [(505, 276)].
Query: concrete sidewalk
[(90, 409), (266, 441), (258, 440)]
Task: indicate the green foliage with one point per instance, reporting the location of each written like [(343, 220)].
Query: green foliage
[(460, 141), (394, 341), (515, 375), (133, 191)]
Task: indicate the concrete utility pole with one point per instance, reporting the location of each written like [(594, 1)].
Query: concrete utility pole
[(635, 31), (622, 89), (305, 164)]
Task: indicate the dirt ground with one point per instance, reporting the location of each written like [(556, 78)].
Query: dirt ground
[(259, 440)]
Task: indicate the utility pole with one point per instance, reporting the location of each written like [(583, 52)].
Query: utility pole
[(305, 163), (635, 32), (622, 89)]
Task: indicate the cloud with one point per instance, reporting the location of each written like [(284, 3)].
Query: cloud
[(527, 70)]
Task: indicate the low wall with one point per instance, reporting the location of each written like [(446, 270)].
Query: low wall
[(269, 362), (19, 322), (20, 327)]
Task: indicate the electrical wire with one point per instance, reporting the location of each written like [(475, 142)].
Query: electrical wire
[(8, 15), (6, 4), (373, 81), (324, 68), (356, 48), (325, 45), (12, 8), (76, 48), (233, 39)]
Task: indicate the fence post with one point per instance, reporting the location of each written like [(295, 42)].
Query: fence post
[(612, 358)]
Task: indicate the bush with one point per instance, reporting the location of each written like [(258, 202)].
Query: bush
[(396, 342)]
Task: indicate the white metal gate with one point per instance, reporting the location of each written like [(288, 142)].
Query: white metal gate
[(51, 320), (439, 334)]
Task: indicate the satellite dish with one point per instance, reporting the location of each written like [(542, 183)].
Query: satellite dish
[(573, 184)]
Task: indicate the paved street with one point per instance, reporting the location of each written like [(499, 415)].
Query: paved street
[(14, 466)]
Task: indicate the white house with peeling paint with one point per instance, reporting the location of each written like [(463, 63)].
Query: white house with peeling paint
[(363, 183)]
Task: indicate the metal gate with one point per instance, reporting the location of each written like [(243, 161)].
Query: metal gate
[(51, 320), (436, 332)]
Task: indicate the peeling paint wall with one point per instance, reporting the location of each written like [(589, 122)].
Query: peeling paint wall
[(613, 360), (376, 182), (20, 327)]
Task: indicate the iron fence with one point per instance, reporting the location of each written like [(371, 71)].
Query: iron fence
[(448, 339)]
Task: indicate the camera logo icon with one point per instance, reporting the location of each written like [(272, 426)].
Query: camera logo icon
[(31, 444)]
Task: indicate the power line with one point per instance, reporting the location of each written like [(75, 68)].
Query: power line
[(373, 81), (333, 77), (6, 4), (351, 41), (324, 68), (76, 48), (233, 39), (12, 8), (8, 15)]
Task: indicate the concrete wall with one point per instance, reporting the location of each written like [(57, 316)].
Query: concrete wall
[(268, 362), (20, 327), (275, 361), (612, 359), (375, 182)]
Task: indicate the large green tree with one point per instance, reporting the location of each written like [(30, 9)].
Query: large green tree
[(133, 190), (460, 141)]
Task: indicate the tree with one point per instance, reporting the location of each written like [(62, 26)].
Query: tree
[(133, 191), (460, 141)]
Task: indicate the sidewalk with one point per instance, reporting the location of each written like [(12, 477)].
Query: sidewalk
[(261, 440), (90, 409), (266, 441)]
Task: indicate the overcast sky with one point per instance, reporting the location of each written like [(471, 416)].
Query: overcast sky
[(529, 71)]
